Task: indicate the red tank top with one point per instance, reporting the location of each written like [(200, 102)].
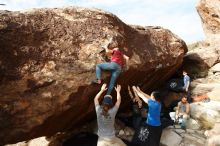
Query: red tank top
[(117, 57)]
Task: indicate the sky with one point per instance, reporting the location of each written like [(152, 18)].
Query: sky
[(179, 16)]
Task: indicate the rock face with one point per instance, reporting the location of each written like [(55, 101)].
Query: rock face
[(202, 64), (206, 113), (48, 58), (203, 60), (209, 11), (214, 135), (207, 53)]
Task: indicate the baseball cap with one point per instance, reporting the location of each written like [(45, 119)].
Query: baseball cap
[(107, 100)]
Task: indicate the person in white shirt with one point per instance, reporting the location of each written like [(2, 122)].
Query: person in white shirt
[(106, 113)]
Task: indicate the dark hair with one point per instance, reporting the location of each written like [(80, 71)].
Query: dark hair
[(112, 45), (156, 95), (105, 108)]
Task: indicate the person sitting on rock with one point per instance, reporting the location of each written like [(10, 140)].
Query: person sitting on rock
[(149, 134), (115, 66), (106, 118), (182, 112)]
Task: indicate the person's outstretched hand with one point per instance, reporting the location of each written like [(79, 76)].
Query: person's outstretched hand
[(129, 88), (130, 93), (103, 88), (118, 88), (138, 88), (134, 88)]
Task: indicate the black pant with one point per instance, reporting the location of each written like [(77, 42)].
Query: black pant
[(154, 136), (147, 135), (136, 116), (188, 94)]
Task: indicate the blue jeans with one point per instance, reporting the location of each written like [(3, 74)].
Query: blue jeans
[(111, 66)]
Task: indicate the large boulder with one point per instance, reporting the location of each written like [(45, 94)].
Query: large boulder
[(213, 135), (205, 54), (209, 11), (214, 94), (202, 88), (48, 58), (203, 57), (205, 113)]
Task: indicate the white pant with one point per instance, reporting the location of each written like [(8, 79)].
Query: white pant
[(110, 142), (182, 119)]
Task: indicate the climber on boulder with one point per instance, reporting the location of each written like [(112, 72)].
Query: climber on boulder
[(115, 66), (106, 118)]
